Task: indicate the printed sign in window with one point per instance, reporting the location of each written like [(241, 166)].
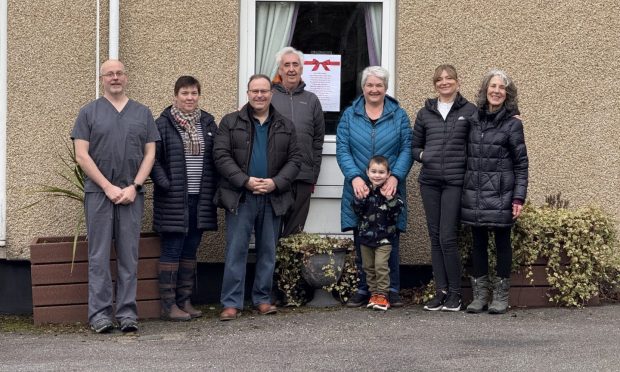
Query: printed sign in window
[(322, 77)]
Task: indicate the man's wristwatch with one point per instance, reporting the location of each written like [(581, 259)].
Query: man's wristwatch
[(138, 187)]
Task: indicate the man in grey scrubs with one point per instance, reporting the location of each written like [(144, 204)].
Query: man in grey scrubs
[(114, 140)]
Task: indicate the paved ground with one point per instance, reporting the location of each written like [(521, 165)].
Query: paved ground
[(406, 339)]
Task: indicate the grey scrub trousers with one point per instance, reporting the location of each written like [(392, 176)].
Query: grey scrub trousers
[(106, 221), (116, 145)]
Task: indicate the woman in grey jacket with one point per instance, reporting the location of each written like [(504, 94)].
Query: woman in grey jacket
[(439, 143)]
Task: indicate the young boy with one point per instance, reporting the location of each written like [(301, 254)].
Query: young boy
[(376, 228)]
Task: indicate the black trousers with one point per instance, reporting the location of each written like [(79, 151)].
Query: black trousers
[(295, 220), (442, 205), (480, 255)]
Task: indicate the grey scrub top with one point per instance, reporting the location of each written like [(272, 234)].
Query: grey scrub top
[(116, 139)]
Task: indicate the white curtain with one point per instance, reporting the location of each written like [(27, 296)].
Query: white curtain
[(274, 23), (374, 16)]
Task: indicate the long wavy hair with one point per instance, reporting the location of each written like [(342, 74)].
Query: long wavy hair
[(511, 102)]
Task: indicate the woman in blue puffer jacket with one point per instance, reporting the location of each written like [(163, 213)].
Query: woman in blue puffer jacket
[(374, 124)]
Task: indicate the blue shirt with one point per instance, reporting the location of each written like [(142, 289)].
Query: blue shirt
[(258, 161)]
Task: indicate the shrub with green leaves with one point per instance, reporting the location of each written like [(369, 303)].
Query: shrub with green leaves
[(580, 246)]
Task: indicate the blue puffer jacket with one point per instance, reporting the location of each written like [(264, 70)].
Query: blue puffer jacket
[(358, 140)]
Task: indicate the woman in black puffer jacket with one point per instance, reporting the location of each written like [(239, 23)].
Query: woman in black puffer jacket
[(185, 182), (439, 143), (495, 185)]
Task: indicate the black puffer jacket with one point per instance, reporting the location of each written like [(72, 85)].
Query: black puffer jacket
[(443, 142), (170, 212), (497, 169), (233, 148)]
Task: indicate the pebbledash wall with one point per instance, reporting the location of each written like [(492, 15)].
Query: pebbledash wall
[(563, 56)]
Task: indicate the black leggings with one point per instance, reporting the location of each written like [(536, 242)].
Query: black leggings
[(442, 205), (480, 256)]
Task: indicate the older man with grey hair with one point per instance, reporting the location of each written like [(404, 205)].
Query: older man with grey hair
[(303, 108)]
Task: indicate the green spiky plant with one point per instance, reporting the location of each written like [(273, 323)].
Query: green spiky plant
[(74, 176)]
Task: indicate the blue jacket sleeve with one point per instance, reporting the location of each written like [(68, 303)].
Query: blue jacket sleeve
[(404, 161), (343, 148)]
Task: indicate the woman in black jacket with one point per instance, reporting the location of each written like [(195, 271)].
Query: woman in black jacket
[(495, 185), (185, 182), (439, 143)]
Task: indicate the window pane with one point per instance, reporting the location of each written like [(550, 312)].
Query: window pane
[(338, 28)]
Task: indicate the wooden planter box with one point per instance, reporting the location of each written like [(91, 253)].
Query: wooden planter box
[(527, 292), (61, 296)]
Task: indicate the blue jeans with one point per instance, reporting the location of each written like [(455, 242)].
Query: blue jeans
[(177, 246), (393, 263), (255, 213)]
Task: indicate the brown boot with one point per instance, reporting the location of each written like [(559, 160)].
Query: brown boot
[(188, 308), (175, 314), (167, 291), (185, 287)]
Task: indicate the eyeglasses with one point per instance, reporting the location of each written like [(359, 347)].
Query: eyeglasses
[(259, 91), (112, 75)]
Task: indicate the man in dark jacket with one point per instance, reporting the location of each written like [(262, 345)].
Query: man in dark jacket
[(303, 108), (256, 154)]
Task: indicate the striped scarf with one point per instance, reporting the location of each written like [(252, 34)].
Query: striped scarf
[(188, 123)]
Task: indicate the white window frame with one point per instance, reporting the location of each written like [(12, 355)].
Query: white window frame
[(326, 197), (247, 40)]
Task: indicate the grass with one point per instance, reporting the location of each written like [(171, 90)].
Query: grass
[(25, 324)]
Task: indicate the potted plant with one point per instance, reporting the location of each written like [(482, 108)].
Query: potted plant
[(326, 262), (578, 248), (74, 176)]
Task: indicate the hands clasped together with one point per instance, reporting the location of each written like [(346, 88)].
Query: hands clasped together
[(124, 196), (260, 185)]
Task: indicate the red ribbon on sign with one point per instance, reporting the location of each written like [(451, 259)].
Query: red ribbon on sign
[(316, 63)]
